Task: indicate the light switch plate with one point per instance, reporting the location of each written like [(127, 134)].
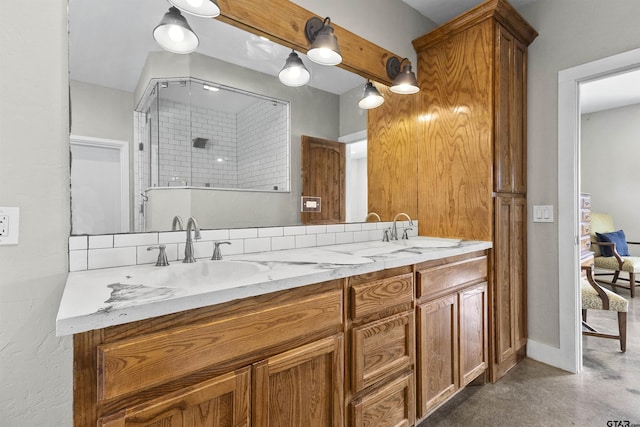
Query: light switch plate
[(311, 204), (9, 225), (543, 213)]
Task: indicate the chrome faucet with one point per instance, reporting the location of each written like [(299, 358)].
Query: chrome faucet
[(176, 224), (188, 249), (373, 214), (394, 229), (217, 254)]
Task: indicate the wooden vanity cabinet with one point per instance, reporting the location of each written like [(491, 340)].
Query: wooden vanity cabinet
[(452, 323), (471, 153), (275, 359), (381, 343)]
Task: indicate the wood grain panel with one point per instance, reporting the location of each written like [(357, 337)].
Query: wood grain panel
[(433, 281), (474, 329), (392, 405), (455, 146), (519, 271), (302, 387), (221, 402), (503, 309), (283, 21), (137, 363), (438, 377), (391, 155), (323, 169), (381, 349), (371, 297)]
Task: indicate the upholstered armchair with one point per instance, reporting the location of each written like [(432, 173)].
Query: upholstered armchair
[(611, 253), (594, 297)]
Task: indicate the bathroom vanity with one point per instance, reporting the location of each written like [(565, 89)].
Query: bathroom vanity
[(371, 333)]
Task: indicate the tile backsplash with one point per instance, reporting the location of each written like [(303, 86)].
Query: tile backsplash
[(118, 250)]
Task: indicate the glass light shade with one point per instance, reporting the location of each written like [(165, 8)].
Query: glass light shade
[(405, 83), (324, 49), (174, 33), (201, 8), (294, 73), (371, 98)]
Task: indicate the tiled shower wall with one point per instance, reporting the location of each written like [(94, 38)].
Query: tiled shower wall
[(262, 157)]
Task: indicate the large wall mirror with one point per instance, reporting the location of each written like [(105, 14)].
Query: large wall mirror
[(131, 172)]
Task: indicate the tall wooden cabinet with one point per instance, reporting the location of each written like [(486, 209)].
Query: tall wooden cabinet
[(472, 153)]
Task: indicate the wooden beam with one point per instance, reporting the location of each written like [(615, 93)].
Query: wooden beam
[(283, 21)]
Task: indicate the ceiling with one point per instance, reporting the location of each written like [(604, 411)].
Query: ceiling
[(109, 42)]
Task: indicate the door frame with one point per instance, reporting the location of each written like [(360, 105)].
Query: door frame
[(123, 150), (570, 355)]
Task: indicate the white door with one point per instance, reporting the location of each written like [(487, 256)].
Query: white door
[(99, 186)]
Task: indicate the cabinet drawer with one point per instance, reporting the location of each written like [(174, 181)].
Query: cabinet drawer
[(585, 243), (372, 297), (585, 228), (585, 202), (439, 279), (382, 348), (137, 363), (392, 405), (585, 216)]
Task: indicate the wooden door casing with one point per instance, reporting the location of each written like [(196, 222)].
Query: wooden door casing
[(323, 175)]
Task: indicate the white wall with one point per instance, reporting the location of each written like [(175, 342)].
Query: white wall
[(572, 32), (35, 366), (609, 154)]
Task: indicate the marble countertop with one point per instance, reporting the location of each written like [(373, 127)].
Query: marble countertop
[(96, 299)]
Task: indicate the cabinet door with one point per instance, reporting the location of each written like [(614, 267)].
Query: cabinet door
[(510, 114), (473, 332), (221, 401), (301, 387), (391, 405), (381, 349), (509, 294), (437, 352)]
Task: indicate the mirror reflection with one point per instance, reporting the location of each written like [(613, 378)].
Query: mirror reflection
[(122, 181)]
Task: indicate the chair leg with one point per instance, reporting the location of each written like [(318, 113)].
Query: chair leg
[(622, 329), (615, 276), (632, 284), (584, 315)]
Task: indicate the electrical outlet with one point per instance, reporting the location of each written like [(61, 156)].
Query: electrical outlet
[(4, 225), (9, 226)]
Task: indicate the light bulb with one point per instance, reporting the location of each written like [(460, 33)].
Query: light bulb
[(175, 33), (195, 3)]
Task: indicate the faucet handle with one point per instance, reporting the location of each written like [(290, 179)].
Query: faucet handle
[(385, 234), (162, 255), (217, 253), (405, 235)]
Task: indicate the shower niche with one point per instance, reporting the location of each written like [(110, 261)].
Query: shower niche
[(194, 136)]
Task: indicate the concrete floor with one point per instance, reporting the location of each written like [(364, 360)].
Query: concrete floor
[(535, 394)]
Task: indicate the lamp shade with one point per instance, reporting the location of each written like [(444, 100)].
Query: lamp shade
[(174, 34), (201, 8), (371, 98), (324, 47), (294, 73), (405, 83)]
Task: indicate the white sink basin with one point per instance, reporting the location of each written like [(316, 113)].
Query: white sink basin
[(200, 273), (420, 242)]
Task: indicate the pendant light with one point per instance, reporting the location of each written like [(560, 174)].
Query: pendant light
[(371, 98), (294, 73), (324, 47), (174, 34), (404, 82), (201, 8)]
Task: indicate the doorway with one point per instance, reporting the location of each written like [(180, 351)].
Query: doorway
[(569, 185), (100, 186)]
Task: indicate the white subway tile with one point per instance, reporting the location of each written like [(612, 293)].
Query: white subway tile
[(270, 232), (257, 245), (78, 242), (236, 247), (353, 227), (280, 243), (326, 239), (305, 241), (295, 230), (101, 242), (335, 228), (361, 236), (369, 226), (113, 257), (345, 237), (243, 233), (78, 260), (172, 237), (315, 229), (136, 239), (215, 234), (375, 235)]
